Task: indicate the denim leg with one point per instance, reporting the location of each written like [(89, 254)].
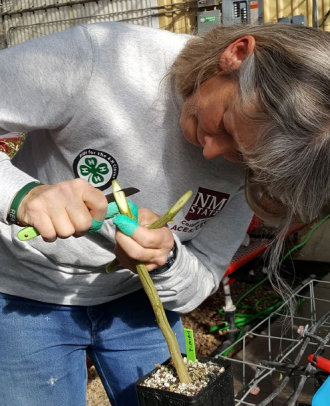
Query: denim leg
[(127, 343), (42, 349), (42, 353)]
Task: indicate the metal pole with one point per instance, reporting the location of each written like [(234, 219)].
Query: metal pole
[(315, 14)]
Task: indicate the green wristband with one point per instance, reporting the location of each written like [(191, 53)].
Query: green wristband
[(12, 215)]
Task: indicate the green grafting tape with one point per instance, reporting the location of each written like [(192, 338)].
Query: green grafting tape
[(125, 224), (12, 215)]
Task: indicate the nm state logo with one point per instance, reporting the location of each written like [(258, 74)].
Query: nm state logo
[(208, 203), (97, 167)]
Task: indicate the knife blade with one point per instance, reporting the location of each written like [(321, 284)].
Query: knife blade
[(129, 191), (30, 232)]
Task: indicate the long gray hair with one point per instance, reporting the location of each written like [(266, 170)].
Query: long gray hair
[(287, 80)]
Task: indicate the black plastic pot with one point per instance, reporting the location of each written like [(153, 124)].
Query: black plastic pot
[(220, 392)]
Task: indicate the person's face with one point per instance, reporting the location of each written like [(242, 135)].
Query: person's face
[(210, 120)]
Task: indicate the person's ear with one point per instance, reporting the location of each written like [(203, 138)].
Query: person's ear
[(233, 56)]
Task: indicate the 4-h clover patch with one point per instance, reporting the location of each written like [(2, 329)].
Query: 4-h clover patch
[(97, 167)]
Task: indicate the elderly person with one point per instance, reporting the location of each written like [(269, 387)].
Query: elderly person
[(241, 111)]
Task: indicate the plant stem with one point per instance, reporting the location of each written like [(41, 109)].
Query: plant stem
[(161, 222), (163, 323), (149, 286)]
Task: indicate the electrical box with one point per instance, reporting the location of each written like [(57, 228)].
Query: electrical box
[(284, 20), (241, 12), (207, 20), (300, 19), (207, 3)]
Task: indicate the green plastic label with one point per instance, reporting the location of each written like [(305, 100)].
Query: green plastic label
[(190, 344)]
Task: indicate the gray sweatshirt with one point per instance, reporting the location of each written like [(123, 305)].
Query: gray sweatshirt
[(94, 104)]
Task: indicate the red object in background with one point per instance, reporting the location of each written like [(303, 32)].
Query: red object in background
[(255, 223), (320, 362), (7, 138), (255, 249), (3, 147)]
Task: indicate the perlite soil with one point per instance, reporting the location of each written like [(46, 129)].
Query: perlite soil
[(201, 374)]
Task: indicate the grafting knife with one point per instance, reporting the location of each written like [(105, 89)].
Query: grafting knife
[(30, 232)]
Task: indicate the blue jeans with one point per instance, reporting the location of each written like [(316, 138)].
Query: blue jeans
[(43, 349)]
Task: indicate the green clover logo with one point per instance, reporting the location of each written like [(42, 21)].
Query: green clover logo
[(94, 171)]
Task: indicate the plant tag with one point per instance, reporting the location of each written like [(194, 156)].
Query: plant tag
[(190, 344)]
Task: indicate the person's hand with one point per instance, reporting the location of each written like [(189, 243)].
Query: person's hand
[(150, 247), (62, 210)]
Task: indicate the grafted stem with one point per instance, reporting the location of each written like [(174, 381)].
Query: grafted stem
[(159, 223), (149, 286)]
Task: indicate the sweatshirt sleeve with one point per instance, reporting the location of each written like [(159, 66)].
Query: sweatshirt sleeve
[(40, 83), (202, 262)]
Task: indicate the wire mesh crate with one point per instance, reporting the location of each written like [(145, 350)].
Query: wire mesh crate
[(272, 367)]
